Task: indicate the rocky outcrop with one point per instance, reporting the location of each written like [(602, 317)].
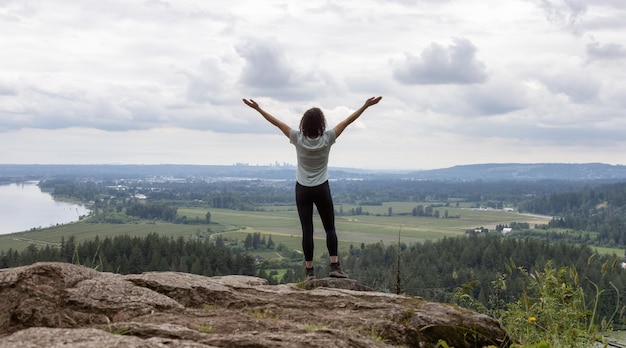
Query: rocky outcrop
[(64, 305)]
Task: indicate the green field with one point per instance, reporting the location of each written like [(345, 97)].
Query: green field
[(609, 251), (283, 224)]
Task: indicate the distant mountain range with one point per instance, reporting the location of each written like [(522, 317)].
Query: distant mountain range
[(473, 172), (518, 171)]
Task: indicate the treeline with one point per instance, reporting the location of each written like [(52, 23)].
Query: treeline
[(86, 191), (599, 209), (257, 241), (131, 255), (249, 194), (130, 210), (486, 193), (82, 191), (152, 211), (437, 270), (238, 195)]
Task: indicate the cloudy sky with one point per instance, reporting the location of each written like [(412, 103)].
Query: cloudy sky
[(463, 81)]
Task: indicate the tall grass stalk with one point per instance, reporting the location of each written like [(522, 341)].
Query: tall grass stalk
[(553, 309)]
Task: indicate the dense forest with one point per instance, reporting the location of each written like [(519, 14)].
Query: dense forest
[(437, 270), (125, 255), (599, 209)]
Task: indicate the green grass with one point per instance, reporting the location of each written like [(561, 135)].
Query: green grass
[(205, 329), (609, 251), (88, 231), (282, 223)]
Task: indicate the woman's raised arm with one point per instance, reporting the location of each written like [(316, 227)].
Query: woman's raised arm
[(271, 119), (339, 128)]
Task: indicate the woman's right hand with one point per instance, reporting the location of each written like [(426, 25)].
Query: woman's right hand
[(372, 101)]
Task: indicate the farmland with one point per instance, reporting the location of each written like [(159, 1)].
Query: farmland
[(281, 222)]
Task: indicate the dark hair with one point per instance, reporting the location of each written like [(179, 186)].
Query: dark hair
[(313, 123)]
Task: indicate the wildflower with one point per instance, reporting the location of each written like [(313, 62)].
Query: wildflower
[(532, 319)]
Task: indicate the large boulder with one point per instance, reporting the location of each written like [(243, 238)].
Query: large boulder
[(65, 305)]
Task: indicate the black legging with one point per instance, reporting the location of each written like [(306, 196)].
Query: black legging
[(320, 196)]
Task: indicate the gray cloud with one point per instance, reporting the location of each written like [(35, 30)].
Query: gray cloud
[(7, 88), (455, 64), (207, 82), (269, 71), (579, 16), (587, 135), (495, 98), (609, 51), (579, 89), (564, 13), (266, 64), (53, 102), (559, 11), (16, 11)]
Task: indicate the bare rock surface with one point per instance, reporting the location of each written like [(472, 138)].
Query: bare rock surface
[(65, 305)]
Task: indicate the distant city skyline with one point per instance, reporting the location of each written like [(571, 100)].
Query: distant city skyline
[(463, 82)]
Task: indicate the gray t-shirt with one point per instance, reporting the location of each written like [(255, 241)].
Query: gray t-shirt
[(312, 156)]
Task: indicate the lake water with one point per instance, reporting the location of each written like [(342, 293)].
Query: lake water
[(23, 206)]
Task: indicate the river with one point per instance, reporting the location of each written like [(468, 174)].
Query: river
[(23, 206)]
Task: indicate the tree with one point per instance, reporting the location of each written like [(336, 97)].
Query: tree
[(208, 217), (67, 249), (248, 242), (219, 241), (418, 210), (135, 261), (289, 277), (428, 211), (256, 240), (246, 264)]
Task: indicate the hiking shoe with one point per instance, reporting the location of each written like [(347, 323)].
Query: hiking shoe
[(336, 271), (310, 274)]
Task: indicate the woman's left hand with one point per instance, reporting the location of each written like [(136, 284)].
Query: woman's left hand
[(251, 103)]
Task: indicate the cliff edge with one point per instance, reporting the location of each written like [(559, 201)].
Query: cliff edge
[(65, 305)]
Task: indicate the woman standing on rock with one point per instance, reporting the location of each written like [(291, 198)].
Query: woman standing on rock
[(313, 142)]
